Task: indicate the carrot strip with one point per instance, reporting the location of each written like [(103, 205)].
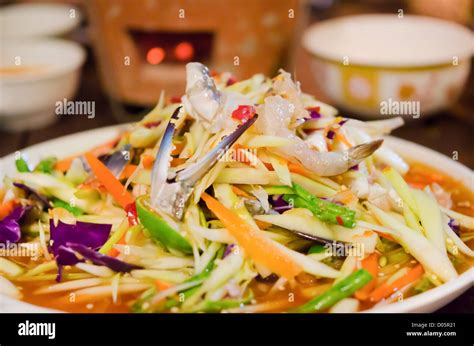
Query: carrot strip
[(64, 164), (240, 192), (128, 171), (113, 251), (371, 264), (385, 289), (341, 138), (293, 167), (256, 245), (161, 285), (176, 161), (147, 161), (6, 208), (113, 186), (179, 146), (298, 169), (263, 224), (386, 236)]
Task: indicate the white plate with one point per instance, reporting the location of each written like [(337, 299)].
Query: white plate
[(425, 302)]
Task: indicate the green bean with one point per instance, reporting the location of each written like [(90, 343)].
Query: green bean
[(326, 211), (343, 289), (46, 165), (21, 165), (57, 203)]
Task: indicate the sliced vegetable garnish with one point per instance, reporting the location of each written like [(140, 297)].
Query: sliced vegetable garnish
[(159, 229), (243, 113), (89, 234), (57, 203), (32, 192), (371, 264), (46, 165), (100, 259), (343, 289), (107, 178), (326, 211), (387, 289), (21, 165), (10, 231), (256, 245)]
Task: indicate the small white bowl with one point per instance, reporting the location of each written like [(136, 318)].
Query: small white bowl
[(38, 20), (35, 74), (361, 61)]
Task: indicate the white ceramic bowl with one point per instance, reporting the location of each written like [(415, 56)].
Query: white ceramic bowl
[(37, 20), (361, 61), (425, 302), (35, 74)]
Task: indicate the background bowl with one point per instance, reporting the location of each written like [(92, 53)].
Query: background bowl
[(426, 302), (35, 75), (361, 61), (35, 20)]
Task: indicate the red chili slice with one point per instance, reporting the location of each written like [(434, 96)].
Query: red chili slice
[(339, 220), (131, 210), (244, 113), (175, 99)]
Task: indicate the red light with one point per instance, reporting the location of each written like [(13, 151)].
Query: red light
[(184, 51), (155, 55)]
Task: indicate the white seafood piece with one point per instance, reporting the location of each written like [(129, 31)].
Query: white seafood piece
[(211, 107), (202, 99), (284, 86), (384, 154), (317, 141), (275, 118)]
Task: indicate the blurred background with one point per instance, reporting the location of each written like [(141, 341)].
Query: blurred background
[(114, 57)]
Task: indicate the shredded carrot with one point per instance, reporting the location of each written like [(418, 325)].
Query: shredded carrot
[(147, 161), (113, 186), (386, 236), (241, 154), (178, 147), (386, 290), (341, 138), (128, 171), (177, 161), (240, 192), (293, 167), (64, 164), (6, 208), (255, 244), (161, 285), (298, 169), (371, 264), (113, 251), (263, 224)]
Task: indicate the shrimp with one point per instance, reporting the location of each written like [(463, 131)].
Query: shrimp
[(276, 114)]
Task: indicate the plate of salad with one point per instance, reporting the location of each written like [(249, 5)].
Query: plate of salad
[(242, 196)]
